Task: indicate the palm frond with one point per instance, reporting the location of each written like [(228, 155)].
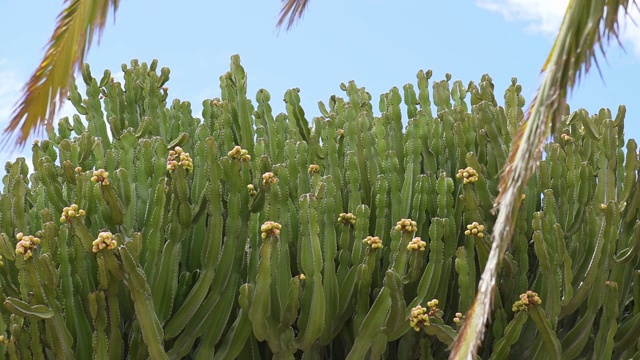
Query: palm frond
[(292, 10), (47, 88), (588, 25)]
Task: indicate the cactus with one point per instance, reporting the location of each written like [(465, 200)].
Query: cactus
[(146, 232)]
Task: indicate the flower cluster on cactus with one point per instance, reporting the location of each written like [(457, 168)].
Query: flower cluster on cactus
[(407, 226), (177, 157), (99, 176), (417, 244), (239, 153), (347, 218), (527, 300), (72, 211), (468, 175), (270, 229), (374, 242), (475, 229), (105, 240), (26, 244)]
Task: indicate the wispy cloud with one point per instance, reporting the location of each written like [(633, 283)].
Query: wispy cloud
[(539, 16), (545, 16)]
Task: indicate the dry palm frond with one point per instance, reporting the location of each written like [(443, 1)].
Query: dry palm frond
[(47, 88), (291, 11), (587, 26)]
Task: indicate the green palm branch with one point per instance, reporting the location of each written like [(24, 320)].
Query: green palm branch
[(48, 87)]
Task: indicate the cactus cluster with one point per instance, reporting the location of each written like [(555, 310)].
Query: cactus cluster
[(248, 234)]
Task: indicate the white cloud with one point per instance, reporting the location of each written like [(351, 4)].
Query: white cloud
[(545, 16), (540, 16)]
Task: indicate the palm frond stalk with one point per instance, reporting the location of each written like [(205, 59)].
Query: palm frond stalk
[(48, 87), (587, 26)]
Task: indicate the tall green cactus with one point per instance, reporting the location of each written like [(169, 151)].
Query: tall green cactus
[(144, 232)]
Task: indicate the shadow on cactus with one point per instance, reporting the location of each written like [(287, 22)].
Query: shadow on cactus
[(144, 232)]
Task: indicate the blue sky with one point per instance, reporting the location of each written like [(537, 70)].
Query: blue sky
[(377, 43)]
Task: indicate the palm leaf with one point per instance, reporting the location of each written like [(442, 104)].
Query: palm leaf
[(587, 26), (291, 11), (47, 88)]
